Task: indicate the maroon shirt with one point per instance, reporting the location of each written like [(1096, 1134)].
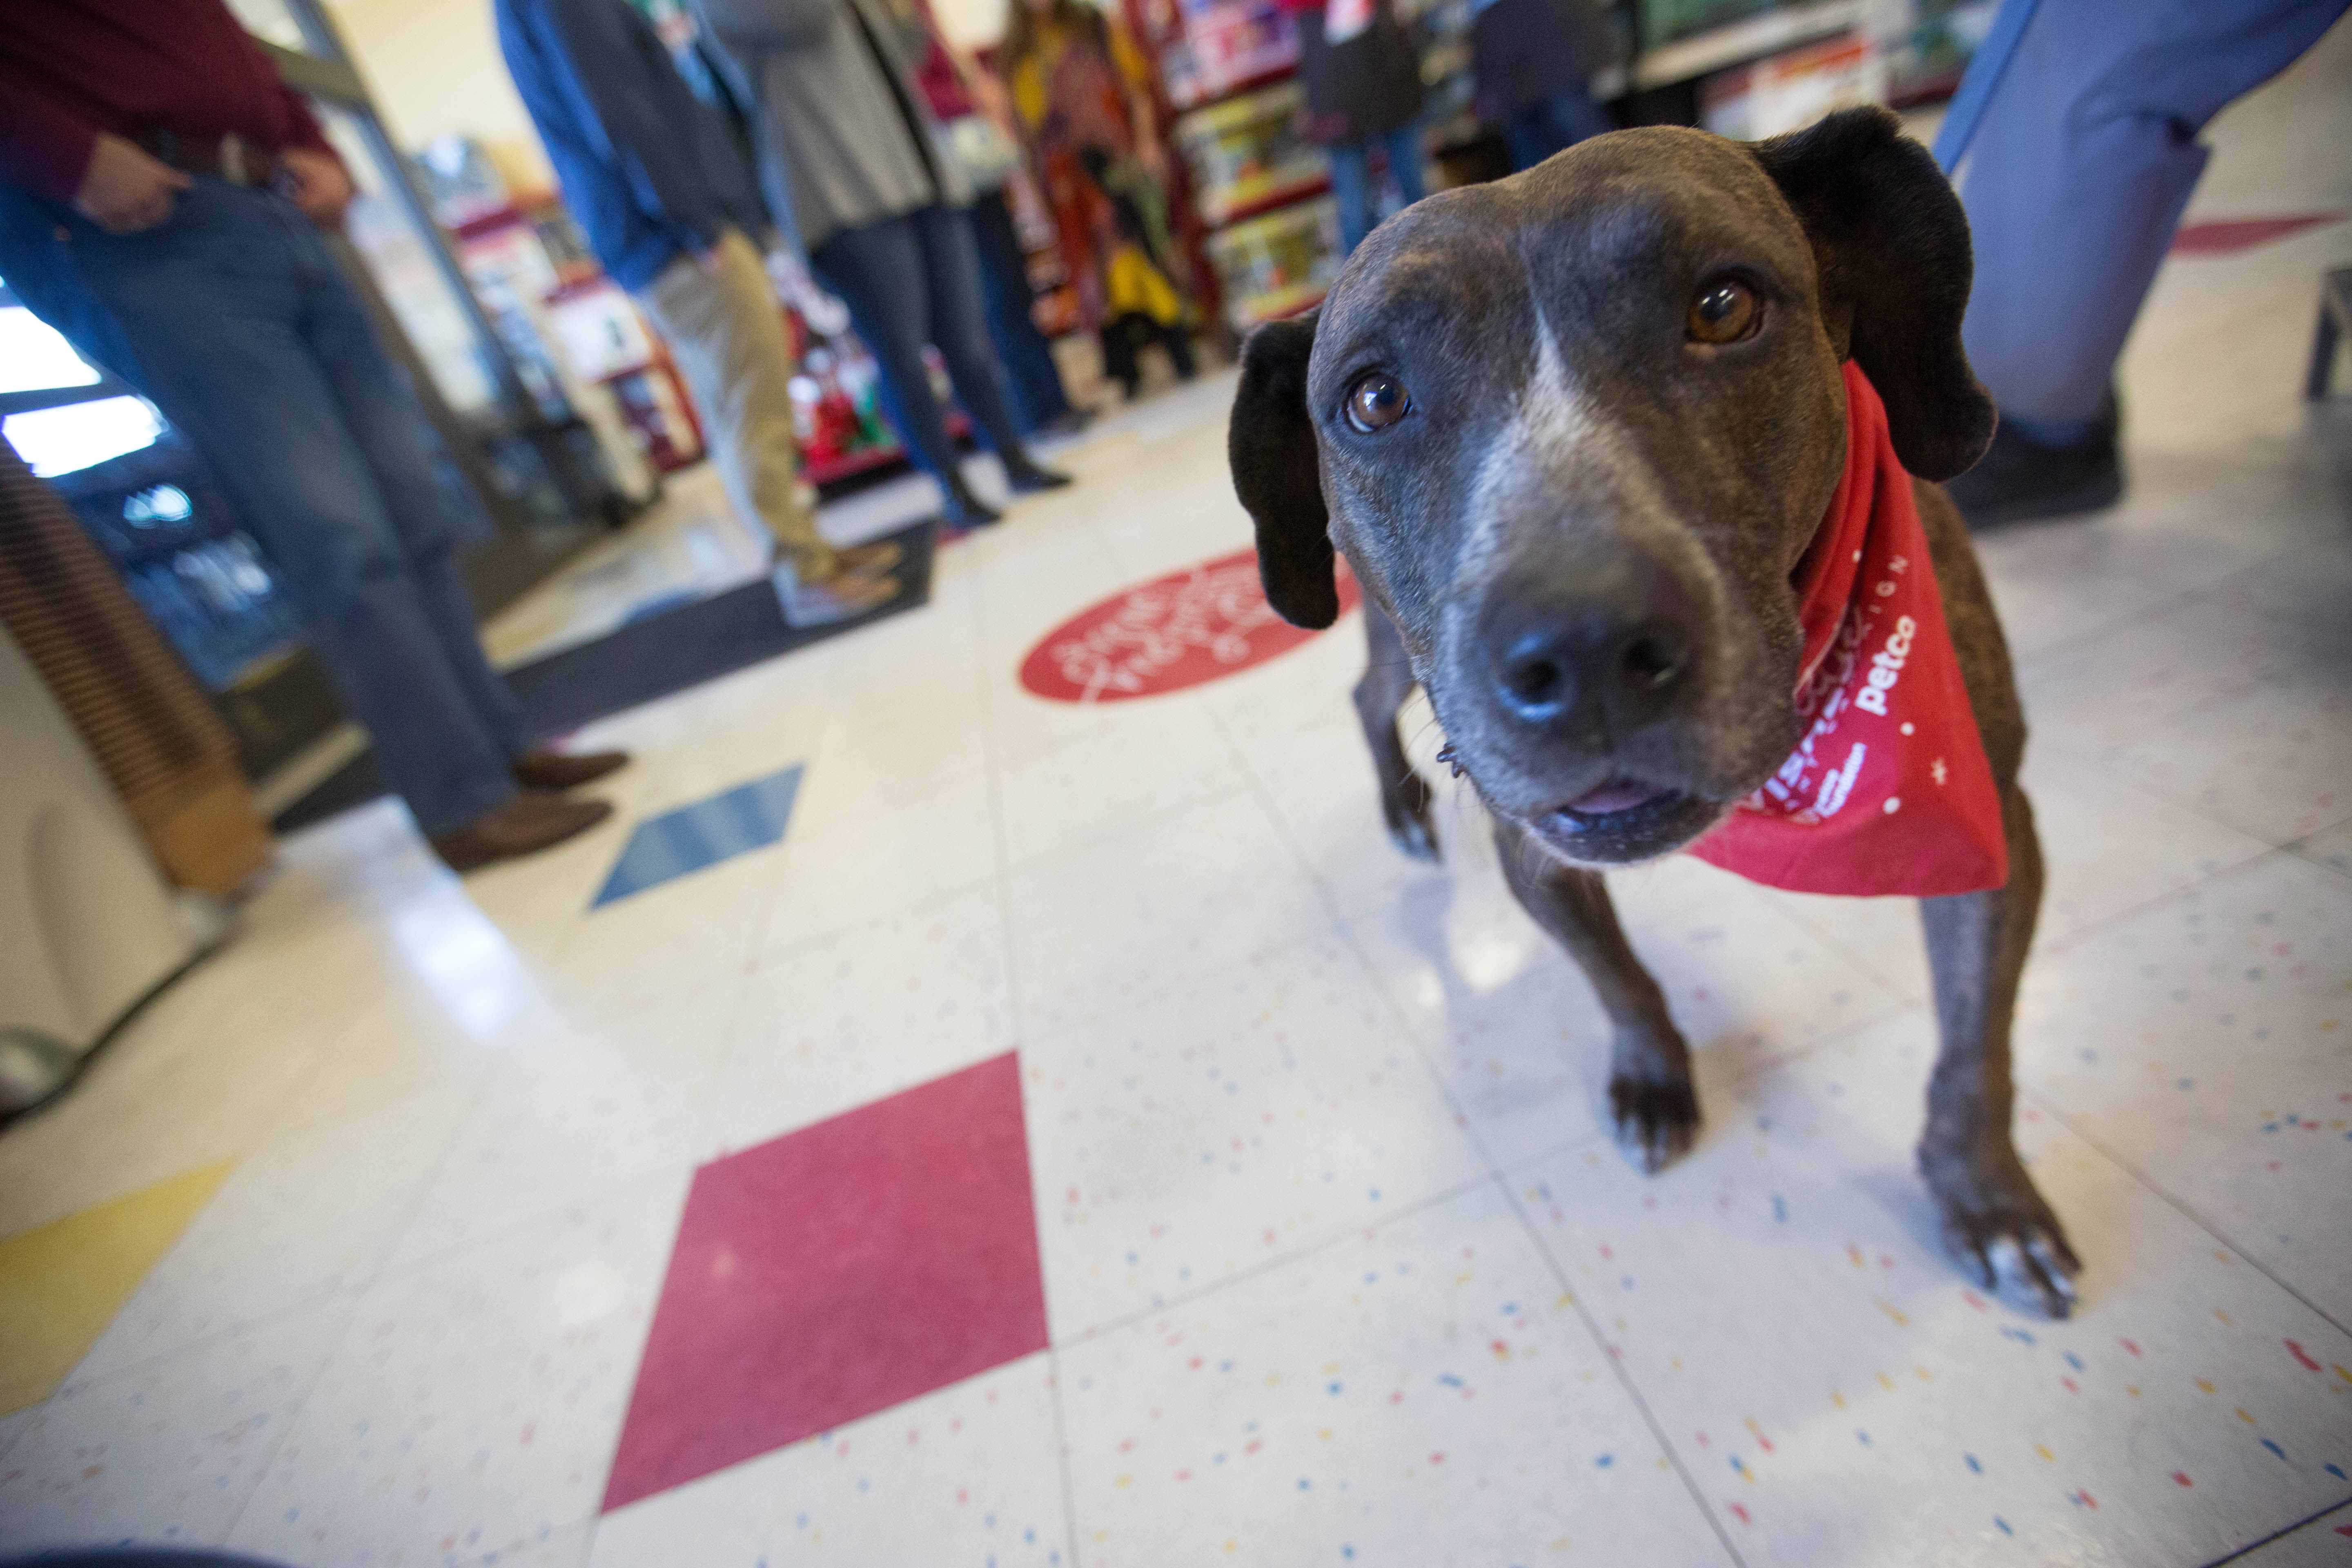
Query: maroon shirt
[(71, 69)]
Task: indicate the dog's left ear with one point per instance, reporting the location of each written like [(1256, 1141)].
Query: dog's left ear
[(1891, 245), (1271, 445)]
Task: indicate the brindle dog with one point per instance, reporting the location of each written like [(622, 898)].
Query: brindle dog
[(1573, 431)]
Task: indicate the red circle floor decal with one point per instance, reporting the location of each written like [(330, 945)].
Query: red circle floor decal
[(1198, 625)]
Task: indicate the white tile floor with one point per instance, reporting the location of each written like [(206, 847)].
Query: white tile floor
[(1337, 1266)]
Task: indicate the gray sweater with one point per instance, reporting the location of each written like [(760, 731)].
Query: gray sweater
[(841, 143)]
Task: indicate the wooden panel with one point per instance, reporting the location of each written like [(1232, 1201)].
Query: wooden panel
[(164, 748)]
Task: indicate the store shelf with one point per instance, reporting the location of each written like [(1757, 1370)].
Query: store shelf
[(1736, 43), (1283, 303), (1242, 203), (850, 465)]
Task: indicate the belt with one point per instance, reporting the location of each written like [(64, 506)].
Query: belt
[(240, 159)]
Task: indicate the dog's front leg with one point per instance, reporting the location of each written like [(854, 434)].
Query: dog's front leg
[(1995, 1222), (1649, 1091), (1388, 681)]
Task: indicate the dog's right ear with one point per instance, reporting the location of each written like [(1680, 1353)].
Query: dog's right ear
[(1271, 445)]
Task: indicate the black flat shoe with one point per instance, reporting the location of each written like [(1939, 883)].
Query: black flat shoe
[(1026, 478), (2020, 480), (963, 511)]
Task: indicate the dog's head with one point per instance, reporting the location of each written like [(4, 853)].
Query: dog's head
[(1574, 431)]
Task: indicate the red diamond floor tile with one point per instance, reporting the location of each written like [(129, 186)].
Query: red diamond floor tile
[(835, 1272), (2229, 238)]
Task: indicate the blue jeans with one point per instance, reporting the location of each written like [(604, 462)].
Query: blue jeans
[(1351, 179), (2078, 171), (246, 334), (1033, 379), (912, 279), (1558, 120)]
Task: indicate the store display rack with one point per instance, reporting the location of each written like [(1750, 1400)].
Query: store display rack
[(1746, 68), (566, 322)]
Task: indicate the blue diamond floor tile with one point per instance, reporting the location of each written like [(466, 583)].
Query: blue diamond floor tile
[(695, 837)]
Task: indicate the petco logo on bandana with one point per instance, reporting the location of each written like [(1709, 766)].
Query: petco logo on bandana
[(1173, 632), (1889, 792)]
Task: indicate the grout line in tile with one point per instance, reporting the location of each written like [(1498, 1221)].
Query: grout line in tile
[(2179, 600), (1003, 877), (2254, 1546), (1347, 939), (2067, 1120), (1062, 1455), (286, 1428), (2296, 848), (1183, 1299), (1617, 1364), (2060, 946)]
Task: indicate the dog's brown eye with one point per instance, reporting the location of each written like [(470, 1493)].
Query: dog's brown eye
[(1377, 401), (1723, 313)]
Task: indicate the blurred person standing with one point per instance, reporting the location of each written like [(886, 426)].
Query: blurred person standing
[(848, 145), (653, 174), (1081, 91), (163, 198), (976, 119), (1362, 79), (1532, 63), (2073, 140)]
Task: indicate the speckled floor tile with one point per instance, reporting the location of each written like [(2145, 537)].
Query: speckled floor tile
[(297, 1221), (2207, 1042), (1782, 1303), (1225, 1122), (170, 1451), (880, 1007), (1423, 1392), (1099, 927), (474, 1400), (590, 1111)]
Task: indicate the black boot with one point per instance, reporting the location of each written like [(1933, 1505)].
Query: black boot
[(2020, 480), (961, 510), (1023, 477)]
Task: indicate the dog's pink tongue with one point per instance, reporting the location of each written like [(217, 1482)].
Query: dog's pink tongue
[(1619, 795)]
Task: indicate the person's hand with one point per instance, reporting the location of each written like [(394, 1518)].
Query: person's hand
[(125, 190), (317, 182)]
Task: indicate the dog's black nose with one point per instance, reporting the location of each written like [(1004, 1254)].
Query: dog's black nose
[(1614, 650)]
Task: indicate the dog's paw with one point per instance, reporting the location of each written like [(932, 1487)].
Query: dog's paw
[(1657, 1122), (2004, 1236), (1406, 809)]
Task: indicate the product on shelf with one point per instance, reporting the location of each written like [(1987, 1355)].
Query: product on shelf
[(1790, 90), (1226, 44), (1280, 264), (1247, 153), (1664, 21)]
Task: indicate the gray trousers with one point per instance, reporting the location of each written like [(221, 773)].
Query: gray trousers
[(2080, 167)]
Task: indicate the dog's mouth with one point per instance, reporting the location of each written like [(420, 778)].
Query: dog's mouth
[(1625, 820)]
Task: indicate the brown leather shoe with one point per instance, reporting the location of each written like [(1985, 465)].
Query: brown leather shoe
[(542, 769), (525, 825)]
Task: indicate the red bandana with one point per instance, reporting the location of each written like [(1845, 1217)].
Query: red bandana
[(1889, 791)]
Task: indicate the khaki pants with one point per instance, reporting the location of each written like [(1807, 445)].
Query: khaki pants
[(727, 332)]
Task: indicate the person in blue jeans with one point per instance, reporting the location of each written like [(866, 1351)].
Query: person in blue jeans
[(2074, 137), (852, 168), (163, 198), (1531, 62), (1361, 77)]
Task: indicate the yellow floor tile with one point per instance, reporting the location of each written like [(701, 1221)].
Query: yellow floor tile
[(62, 1283)]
